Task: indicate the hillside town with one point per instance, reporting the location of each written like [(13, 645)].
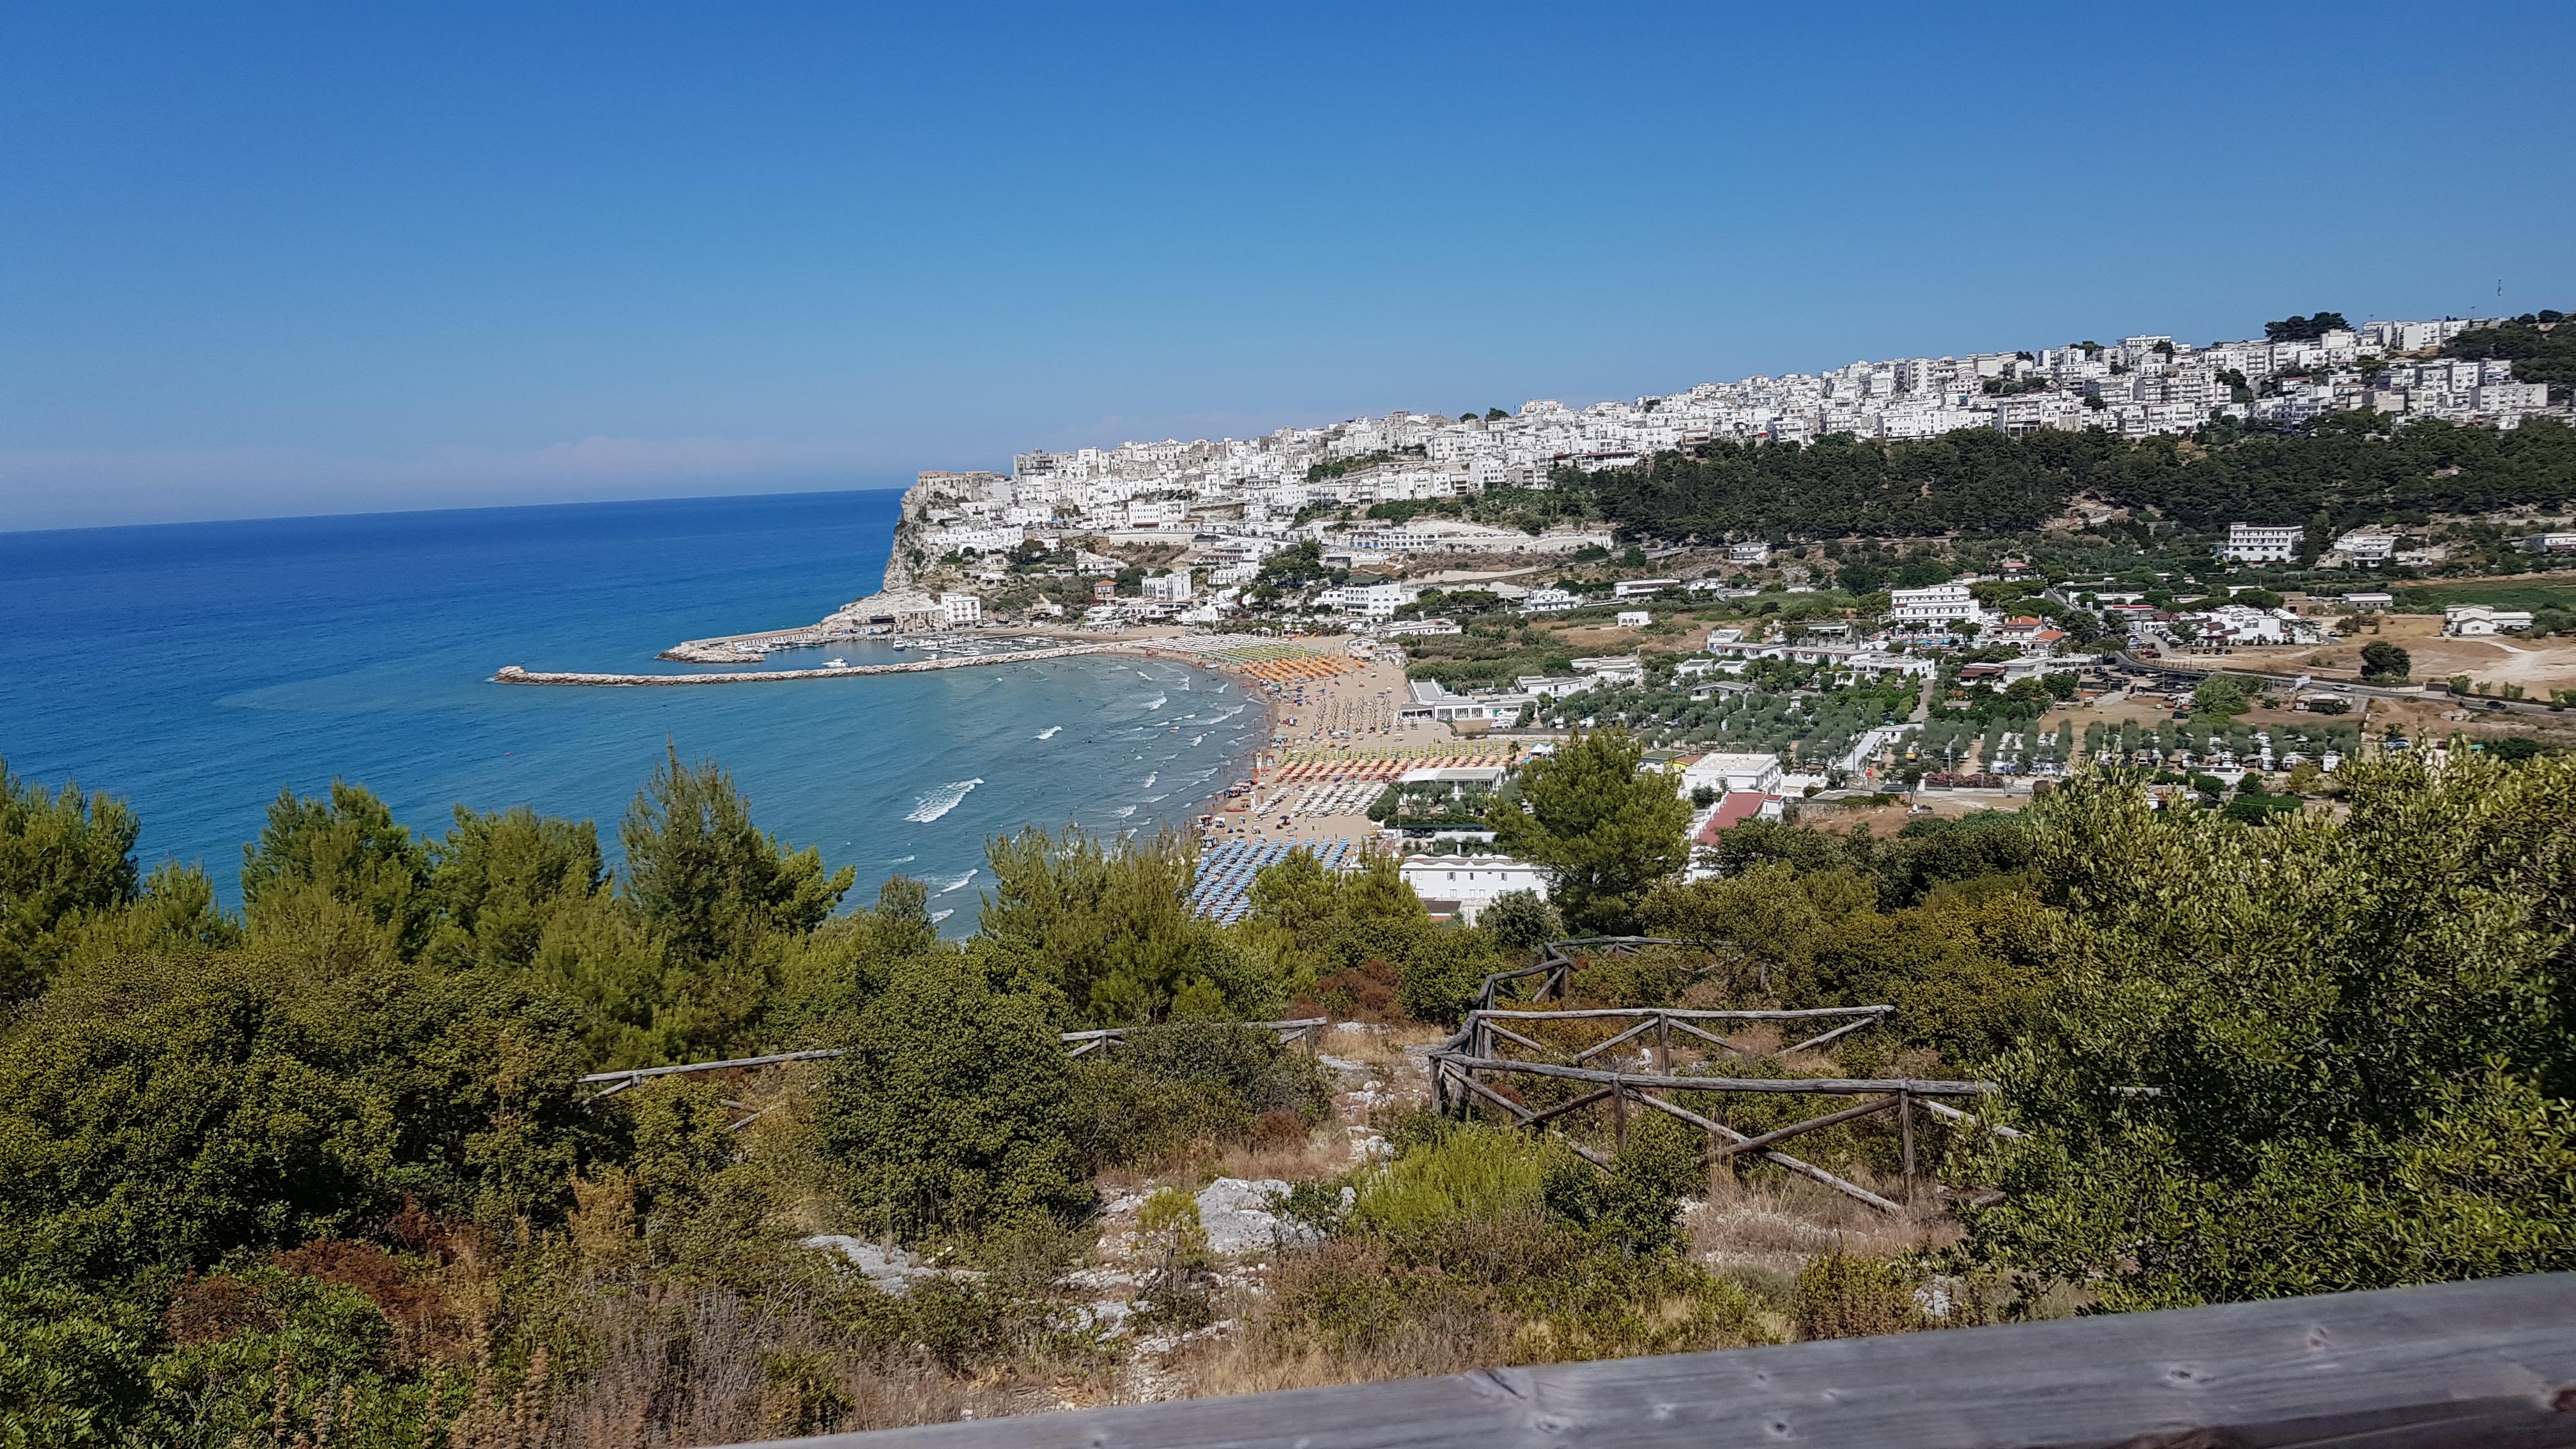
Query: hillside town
[(1222, 506)]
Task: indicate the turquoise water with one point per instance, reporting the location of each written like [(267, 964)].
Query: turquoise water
[(196, 669)]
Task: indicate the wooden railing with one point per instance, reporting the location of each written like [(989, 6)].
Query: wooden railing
[(2449, 1366), (1307, 1031), (1462, 1066)]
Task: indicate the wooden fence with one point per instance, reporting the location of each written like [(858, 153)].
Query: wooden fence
[(2449, 1366), (1462, 1069), (1306, 1031)]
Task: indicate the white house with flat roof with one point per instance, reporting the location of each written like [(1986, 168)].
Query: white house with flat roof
[(2261, 543), (1939, 604), (1464, 885), (2470, 621), (1731, 774)]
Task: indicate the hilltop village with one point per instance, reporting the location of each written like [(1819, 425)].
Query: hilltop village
[(1942, 581)]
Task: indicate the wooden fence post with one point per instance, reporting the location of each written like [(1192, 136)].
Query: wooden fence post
[(1905, 1137), (1619, 1115), (1663, 1045)]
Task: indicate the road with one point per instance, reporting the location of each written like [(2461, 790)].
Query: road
[(2418, 693)]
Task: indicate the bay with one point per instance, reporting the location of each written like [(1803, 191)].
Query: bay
[(197, 669)]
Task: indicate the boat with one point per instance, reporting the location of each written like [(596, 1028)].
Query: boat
[(836, 664)]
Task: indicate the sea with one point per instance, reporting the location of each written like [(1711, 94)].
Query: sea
[(197, 670)]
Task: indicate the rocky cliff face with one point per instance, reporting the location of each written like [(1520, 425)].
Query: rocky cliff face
[(899, 572)]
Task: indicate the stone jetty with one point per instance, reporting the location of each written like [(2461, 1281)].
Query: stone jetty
[(515, 674)]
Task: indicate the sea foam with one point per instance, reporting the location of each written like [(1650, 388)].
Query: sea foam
[(1049, 732), (940, 801)]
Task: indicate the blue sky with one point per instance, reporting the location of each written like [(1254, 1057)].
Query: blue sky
[(269, 259)]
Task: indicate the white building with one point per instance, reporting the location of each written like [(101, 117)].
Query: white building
[(2469, 621), (1732, 774), (1634, 618), (1642, 588), (1748, 553), (2261, 543), (2363, 548), (1941, 603), (1549, 601), (961, 611), (1170, 588), (1374, 601), (1464, 885), (973, 540)]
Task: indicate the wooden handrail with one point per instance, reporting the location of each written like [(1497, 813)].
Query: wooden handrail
[(2445, 1366)]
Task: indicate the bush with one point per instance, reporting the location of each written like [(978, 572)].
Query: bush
[(953, 1108), (1522, 921), (1846, 1295), (1171, 1087)]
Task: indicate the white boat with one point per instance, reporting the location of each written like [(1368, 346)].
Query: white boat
[(836, 664)]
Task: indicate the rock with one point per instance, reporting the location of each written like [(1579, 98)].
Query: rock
[(1343, 1064), (890, 1270), (1240, 1216), (1103, 1318)]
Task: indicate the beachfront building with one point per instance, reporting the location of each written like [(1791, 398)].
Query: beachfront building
[(1170, 588), (1461, 886), (960, 611), (2261, 543)]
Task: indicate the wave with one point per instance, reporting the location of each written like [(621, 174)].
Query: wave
[(1158, 799), (940, 801), (1049, 732), (959, 883), (1122, 812), (1195, 740), (901, 859), (938, 916), (1150, 777), (1158, 701)]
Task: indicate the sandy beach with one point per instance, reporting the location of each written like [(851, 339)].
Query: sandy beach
[(1337, 741)]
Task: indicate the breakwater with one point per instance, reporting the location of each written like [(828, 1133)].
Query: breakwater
[(515, 674)]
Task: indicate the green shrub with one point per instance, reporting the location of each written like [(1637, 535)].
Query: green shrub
[(1846, 1295), (952, 1109)]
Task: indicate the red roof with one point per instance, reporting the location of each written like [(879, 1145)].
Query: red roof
[(1737, 807)]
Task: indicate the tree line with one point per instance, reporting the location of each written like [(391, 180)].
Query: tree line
[(320, 1168), (2346, 469)]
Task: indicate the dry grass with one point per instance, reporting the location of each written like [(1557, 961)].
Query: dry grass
[(1769, 1224)]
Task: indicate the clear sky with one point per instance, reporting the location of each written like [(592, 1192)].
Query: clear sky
[(266, 258)]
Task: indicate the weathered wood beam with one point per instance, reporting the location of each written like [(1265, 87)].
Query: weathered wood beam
[(1812, 1124), (1817, 1041), (1597, 1049), (2431, 1367), (1948, 1113), (1512, 1036), (1680, 1013), (1830, 1086), (1773, 1155), (1559, 1110)]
